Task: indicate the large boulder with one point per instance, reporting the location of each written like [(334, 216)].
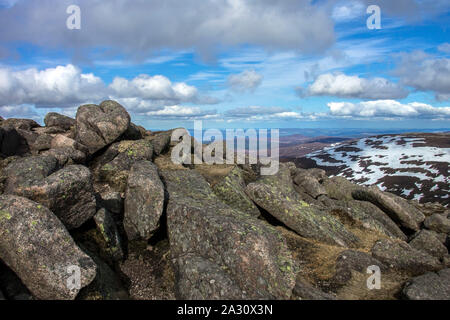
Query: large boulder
[(309, 184), (339, 188), (306, 291), (113, 166), (144, 201), (430, 286), (232, 191), (427, 241), (438, 223), (66, 156), (350, 261), (54, 119), (38, 248), (219, 252), (99, 126), (397, 208), (277, 196), (68, 193), (401, 256), (161, 141), (372, 218)]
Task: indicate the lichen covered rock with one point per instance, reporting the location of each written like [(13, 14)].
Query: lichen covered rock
[(38, 248), (232, 191), (220, 252), (277, 196), (99, 126), (144, 201)]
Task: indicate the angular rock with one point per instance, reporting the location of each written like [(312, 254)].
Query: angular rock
[(426, 241), (430, 286), (66, 156), (133, 133), (105, 286), (41, 142), (340, 188), (99, 126), (306, 291), (397, 208), (12, 142), (12, 286), (277, 196), (219, 252), (111, 201), (38, 248), (22, 124), (144, 201), (61, 141), (114, 165), (232, 191), (350, 260), (401, 256), (438, 223), (310, 184), (161, 141), (373, 218), (108, 229), (54, 119), (24, 173), (67, 192)]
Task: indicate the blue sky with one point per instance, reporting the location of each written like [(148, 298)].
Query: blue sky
[(231, 63)]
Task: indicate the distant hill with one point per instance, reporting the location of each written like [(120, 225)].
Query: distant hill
[(412, 165)]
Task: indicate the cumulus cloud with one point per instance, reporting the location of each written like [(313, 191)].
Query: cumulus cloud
[(61, 86), (388, 109), (425, 73), (341, 85), (139, 27), (247, 80), (153, 88), (67, 87)]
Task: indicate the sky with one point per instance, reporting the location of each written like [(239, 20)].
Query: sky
[(230, 63)]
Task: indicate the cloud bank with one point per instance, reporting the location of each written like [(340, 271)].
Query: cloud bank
[(341, 85)]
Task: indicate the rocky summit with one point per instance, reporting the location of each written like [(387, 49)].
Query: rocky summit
[(94, 208)]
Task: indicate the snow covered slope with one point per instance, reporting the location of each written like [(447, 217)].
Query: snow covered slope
[(415, 166)]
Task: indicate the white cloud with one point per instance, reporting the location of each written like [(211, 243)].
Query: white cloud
[(182, 113), (425, 73), (348, 10), (341, 85), (388, 109), (67, 87), (61, 86), (153, 88), (247, 80)]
